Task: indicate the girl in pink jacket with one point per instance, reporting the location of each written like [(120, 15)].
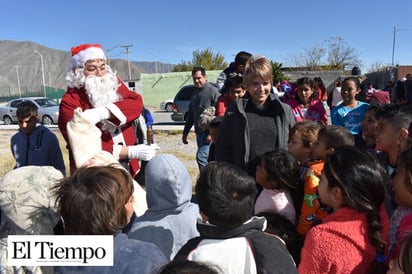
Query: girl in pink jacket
[(353, 239), (305, 104)]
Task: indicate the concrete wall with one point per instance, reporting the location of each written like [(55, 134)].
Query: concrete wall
[(381, 78), (328, 77)]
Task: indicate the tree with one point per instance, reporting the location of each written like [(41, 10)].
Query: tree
[(340, 55), (336, 54), (204, 58), (313, 57), (277, 71), (378, 66)]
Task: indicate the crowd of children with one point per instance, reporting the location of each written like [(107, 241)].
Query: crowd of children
[(283, 192)]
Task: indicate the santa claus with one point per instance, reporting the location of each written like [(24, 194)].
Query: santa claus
[(105, 101)]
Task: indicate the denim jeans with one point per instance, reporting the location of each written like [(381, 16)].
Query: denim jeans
[(202, 149)]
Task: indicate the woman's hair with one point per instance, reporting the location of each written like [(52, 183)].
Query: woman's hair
[(306, 81), (404, 258), (405, 164), (258, 67), (92, 201), (308, 131), (361, 179)]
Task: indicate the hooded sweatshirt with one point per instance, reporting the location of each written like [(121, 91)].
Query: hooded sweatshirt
[(28, 208), (171, 218)]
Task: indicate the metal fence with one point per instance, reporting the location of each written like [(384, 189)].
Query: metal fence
[(8, 93)]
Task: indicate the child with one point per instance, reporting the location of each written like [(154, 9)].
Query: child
[(391, 139), (366, 139), (168, 195), (231, 238), (233, 89), (319, 86), (329, 139), (302, 137), (371, 90), (353, 238), (32, 144), (235, 68), (401, 220), (336, 95), (392, 133), (98, 200), (403, 263), (214, 132), (278, 174), (305, 104), (350, 112)]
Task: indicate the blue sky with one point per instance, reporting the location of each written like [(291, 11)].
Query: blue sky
[(169, 31)]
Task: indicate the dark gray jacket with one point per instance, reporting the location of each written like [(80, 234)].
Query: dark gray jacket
[(199, 101), (233, 144)]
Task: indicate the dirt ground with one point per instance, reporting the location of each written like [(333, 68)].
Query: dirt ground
[(168, 141)]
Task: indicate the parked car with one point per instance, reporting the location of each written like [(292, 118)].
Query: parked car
[(167, 105), (48, 110), (181, 103)]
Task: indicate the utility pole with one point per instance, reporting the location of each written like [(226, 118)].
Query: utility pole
[(18, 80), (393, 45), (42, 70), (108, 53), (126, 47)]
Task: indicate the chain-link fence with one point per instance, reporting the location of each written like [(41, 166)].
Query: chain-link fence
[(8, 93)]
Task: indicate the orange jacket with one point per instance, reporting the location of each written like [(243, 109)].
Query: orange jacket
[(311, 212)]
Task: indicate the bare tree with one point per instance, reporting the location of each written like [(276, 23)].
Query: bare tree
[(340, 54), (378, 66), (313, 57)]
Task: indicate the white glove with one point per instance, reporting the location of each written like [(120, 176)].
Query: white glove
[(95, 115), (143, 152)]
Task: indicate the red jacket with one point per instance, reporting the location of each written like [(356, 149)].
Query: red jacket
[(125, 112), (341, 244)]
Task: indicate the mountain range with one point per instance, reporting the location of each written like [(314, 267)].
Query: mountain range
[(21, 66)]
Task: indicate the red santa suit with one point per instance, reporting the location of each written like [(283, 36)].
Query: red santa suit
[(123, 113)]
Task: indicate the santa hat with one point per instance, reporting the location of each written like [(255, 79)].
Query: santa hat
[(82, 53)]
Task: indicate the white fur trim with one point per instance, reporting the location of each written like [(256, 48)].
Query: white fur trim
[(116, 112), (83, 56)]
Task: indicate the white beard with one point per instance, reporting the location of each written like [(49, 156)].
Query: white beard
[(100, 90)]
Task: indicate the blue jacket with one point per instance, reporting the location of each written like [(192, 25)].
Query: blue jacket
[(40, 148), (350, 118)]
